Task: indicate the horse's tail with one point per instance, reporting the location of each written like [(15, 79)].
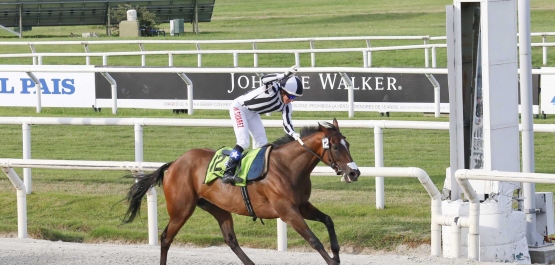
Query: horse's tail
[(136, 193)]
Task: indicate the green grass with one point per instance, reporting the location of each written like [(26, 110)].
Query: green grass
[(85, 206)]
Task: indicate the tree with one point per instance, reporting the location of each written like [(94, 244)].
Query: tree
[(147, 20)]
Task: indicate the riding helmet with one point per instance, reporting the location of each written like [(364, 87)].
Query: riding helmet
[(292, 86)]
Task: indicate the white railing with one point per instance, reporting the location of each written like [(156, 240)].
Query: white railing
[(138, 124), (255, 50), (473, 221), (27, 163), (366, 54), (379, 172)]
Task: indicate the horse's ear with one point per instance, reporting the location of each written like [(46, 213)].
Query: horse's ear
[(335, 124)]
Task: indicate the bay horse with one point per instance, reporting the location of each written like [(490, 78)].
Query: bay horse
[(283, 193)]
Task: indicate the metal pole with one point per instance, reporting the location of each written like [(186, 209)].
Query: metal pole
[(529, 189), (378, 162), (114, 86), (312, 55), (27, 179), (21, 202), (544, 49), (255, 55), (282, 235)]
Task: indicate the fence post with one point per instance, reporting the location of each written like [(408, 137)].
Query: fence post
[(27, 179), (378, 162)]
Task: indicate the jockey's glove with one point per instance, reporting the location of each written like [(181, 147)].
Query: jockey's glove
[(291, 71)]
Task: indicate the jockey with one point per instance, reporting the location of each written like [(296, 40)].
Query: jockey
[(276, 94)]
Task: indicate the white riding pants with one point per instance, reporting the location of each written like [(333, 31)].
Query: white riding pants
[(245, 122)]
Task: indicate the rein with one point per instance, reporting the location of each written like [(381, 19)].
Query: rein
[(333, 165)]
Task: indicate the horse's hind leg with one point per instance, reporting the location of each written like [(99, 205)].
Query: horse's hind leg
[(225, 220), (309, 212), (179, 214)]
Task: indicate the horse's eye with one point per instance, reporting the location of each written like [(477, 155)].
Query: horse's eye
[(334, 147)]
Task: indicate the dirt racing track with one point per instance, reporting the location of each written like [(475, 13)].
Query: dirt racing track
[(31, 251)]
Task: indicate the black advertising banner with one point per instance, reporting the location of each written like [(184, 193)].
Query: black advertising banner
[(323, 91)]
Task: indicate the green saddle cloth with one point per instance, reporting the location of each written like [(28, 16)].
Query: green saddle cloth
[(251, 166)]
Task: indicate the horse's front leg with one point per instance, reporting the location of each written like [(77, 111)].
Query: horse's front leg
[(225, 220), (293, 217), (309, 212)]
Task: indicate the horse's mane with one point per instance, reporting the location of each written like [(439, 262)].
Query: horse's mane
[(307, 130)]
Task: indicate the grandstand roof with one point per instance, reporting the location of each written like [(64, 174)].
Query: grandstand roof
[(94, 12)]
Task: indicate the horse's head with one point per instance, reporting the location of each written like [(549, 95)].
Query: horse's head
[(338, 154)]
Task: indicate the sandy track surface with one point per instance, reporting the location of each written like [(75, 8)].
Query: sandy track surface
[(31, 251)]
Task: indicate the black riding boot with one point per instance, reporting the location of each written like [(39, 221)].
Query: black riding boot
[(231, 166)]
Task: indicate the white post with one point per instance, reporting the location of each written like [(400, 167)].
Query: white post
[(151, 198), (426, 54), (350, 93), (189, 92), (312, 55), (297, 59), (434, 57), (143, 56), (369, 62), (282, 235), (152, 203), (544, 49), (235, 60), (170, 59), (255, 55), (21, 213), (38, 91), (138, 142), (88, 58), (27, 179), (114, 86), (437, 91), (199, 56), (528, 189), (32, 47), (21, 202), (378, 162), (365, 59)]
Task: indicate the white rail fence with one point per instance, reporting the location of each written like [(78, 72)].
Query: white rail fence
[(366, 54), (253, 42), (255, 50), (25, 186)]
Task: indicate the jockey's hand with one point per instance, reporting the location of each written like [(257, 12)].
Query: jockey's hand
[(296, 136), (291, 71)]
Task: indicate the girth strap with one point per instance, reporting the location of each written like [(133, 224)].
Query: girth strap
[(248, 204)]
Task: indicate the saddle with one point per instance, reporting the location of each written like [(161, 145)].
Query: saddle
[(253, 165)]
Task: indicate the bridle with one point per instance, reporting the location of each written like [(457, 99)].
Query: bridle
[(326, 147)]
